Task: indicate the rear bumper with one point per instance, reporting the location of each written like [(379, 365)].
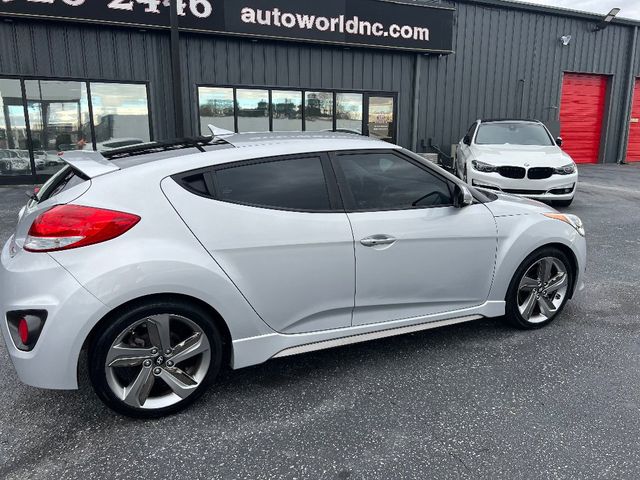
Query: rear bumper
[(35, 281), (556, 187)]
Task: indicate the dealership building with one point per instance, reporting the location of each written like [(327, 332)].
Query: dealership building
[(80, 74)]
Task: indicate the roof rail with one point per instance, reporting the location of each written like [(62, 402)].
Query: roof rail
[(153, 147)]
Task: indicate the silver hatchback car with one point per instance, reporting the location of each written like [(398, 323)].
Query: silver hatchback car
[(166, 261)]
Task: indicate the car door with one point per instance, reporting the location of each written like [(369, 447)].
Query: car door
[(279, 234), (416, 254)]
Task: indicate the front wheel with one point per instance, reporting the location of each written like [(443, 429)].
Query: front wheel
[(539, 289), (155, 359)]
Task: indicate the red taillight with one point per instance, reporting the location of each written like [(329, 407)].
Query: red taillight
[(23, 331), (72, 226)]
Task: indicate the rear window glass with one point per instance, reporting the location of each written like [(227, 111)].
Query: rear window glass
[(292, 184), (512, 133), (65, 179)]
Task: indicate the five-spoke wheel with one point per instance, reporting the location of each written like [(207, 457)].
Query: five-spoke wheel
[(539, 288), (151, 362)]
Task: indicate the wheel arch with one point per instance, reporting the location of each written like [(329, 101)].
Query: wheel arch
[(172, 297)]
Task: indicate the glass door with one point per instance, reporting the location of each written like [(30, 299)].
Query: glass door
[(381, 117)]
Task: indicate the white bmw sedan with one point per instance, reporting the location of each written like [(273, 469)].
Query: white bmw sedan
[(166, 261), (519, 157)]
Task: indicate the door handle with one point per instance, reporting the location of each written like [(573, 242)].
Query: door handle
[(377, 240)]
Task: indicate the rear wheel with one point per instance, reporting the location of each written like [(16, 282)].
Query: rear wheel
[(539, 289), (155, 359)]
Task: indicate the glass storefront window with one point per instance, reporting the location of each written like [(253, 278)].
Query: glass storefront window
[(253, 110), (286, 108), (318, 111), (349, 112), (216, 108), (381, 121), (59, 121), (14, 156), (120, 114)]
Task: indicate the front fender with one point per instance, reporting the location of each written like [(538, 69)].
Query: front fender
[(520, 235)]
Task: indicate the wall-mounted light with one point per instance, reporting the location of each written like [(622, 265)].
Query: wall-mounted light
[(565, 39), (607, 19)]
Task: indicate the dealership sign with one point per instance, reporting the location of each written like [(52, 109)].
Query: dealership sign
[(368, 23)]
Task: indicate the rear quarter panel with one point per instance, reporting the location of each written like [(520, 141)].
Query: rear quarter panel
[(159, 255)]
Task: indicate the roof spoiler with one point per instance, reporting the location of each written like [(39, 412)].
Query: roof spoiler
[(91, 164)]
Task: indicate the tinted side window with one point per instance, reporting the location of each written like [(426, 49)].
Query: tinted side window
[(384, 181), (292, 184), (65, 179)]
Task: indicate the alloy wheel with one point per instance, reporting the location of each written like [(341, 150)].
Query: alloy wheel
[(542, 290), (157, 361)]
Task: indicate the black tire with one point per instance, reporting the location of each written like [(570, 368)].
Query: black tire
[(113, 327), (512, 312), (562, 203)]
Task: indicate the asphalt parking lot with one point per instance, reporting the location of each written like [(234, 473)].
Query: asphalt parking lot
[(477, 400)]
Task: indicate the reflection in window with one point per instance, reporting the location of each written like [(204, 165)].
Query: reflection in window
[(297, 184), (216, 108), (120, 114), (318, 111), (349, 112), (381, 118), (14, 158), (286, 107), (59, 120), (253, 110), (383, 181)]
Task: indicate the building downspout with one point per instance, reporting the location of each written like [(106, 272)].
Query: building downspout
[(416, 102), (628, 99), (176, 74)]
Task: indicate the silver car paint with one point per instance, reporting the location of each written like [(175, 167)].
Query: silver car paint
[(162, 255)]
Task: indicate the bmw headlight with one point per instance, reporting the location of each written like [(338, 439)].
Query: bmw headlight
[(483, 167), (572, 220), (565, 170)]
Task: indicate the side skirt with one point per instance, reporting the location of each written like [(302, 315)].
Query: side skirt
[(364, 337), (259, 349)]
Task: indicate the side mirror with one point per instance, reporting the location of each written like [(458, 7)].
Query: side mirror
[(559, 141), (462, 196), (466, 140)]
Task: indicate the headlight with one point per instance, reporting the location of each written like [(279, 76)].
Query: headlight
[(572, 220), (483, 167), (566, 170)]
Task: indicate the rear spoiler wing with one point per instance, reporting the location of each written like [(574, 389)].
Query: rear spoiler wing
[(91, 164)]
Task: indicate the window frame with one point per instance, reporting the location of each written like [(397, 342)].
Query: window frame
[(347, 195), (214, 187), (35, 177)]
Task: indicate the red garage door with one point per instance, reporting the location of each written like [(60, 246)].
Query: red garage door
[(581, 112), (633, 148)]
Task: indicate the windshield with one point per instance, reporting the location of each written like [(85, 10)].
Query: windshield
[(515, 133)]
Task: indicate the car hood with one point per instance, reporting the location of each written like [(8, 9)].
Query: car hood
[(507, 205), (518, 155)]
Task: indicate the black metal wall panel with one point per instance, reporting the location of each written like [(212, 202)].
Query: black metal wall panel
[(68, 50), (229, 61), (509, 62)]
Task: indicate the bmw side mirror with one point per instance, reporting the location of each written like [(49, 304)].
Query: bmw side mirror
[(462, 196), (466, 140), (559, 141)]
